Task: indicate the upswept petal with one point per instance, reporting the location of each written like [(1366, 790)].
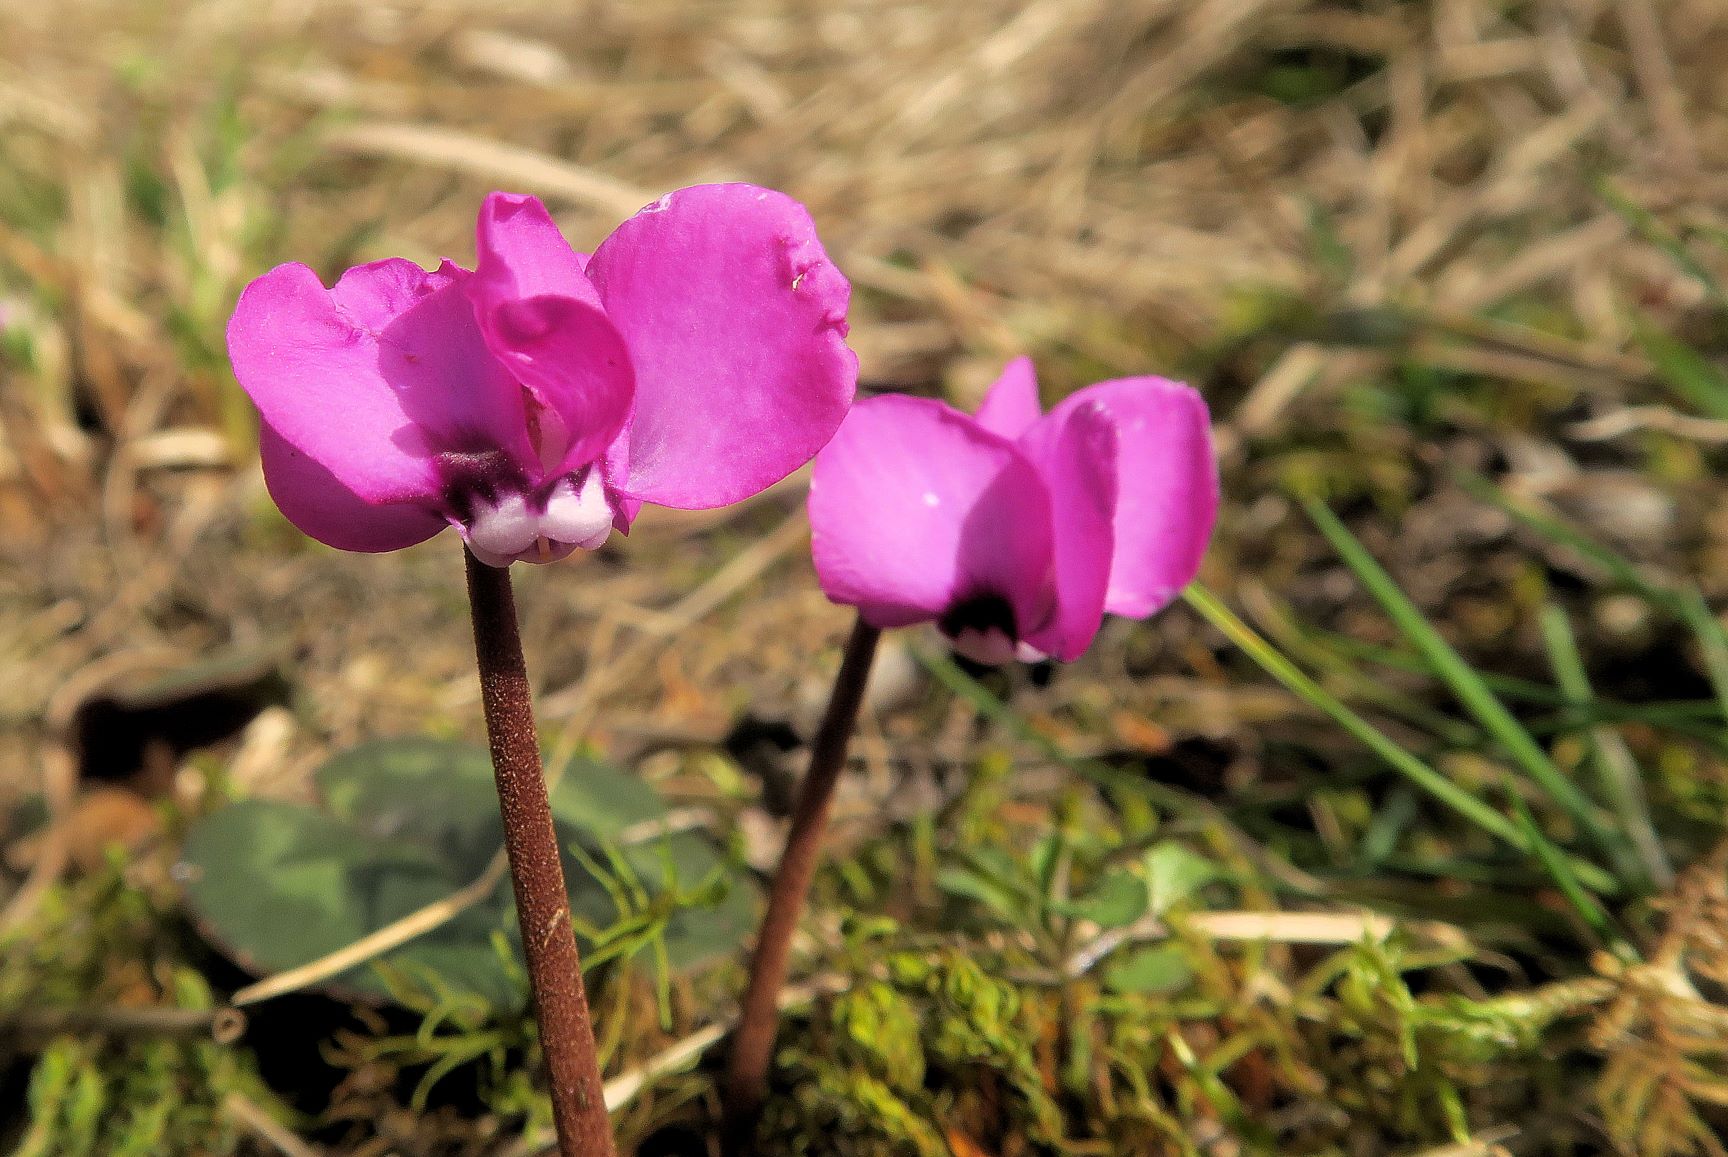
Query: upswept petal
[(541, 318), (573, 360), (1012, 407), (1166, 487), (313, 500), (1076, 453), (522, 253), (736, 322), (376, 378), (914, 507)]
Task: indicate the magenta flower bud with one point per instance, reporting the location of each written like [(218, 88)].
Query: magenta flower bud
[(537, 401), (1015, 531)]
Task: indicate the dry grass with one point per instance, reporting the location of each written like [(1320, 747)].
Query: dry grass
[(1281, 199), (1106, 184)]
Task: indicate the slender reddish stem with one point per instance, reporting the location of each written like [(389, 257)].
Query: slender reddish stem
[(542, 902), (746, 1084)]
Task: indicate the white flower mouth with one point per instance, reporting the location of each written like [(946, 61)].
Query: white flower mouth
[(575, 515)]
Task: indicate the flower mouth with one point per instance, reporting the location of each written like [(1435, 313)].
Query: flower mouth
[(982, 629), (574, 514)]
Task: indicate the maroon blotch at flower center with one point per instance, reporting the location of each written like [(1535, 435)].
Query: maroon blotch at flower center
[(982, 629)]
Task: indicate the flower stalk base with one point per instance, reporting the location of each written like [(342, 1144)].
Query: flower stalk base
[(746, 1081), (536, 872)]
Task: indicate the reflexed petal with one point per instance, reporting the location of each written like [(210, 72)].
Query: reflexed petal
[(1076, 454), (522, 253), (569, 355), (1012, 407), (1166, 488), (542, 319), (736, 323), (377, 377), (324, 509), (914, 507)]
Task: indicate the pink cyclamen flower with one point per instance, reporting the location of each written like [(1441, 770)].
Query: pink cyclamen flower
[(536, 401), (1016, 530)]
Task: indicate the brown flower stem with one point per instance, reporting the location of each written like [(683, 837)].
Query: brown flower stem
[(542, 902), (746, 1082)]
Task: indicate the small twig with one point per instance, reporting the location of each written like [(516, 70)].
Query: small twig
[(1631, 419), (745, 1085), (492, 160), (392, 935), (1655, 73), (1485, 1143), (743, 569), (681, 819), (261, 1125), (1275, 927), (223, 1025), (536, 870)]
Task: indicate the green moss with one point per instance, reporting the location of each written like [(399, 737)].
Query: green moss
[(101, 943)]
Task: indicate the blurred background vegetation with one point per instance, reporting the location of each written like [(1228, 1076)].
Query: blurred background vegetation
[(1404, 834)]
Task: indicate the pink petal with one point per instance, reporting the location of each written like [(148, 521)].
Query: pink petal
[(324, 509), (914, 508), (522, 252), (432, 354), (377, 377), (1076, 454), (573, 361), (1167, 488), (1012, 407), (736, 324), (542, 320), (615, 467)]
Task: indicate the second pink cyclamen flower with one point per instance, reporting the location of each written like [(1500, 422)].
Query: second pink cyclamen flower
[(1015, 531), (538, 400)]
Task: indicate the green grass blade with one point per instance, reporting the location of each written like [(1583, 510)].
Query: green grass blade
[(1615, 768), (1415, 770), (1695, 718), (1399, 659), (1299, 684), (1586, 905), (1712, 642), (1567, 535), (1321, 653), (1651, 229), (1275, 664), (1464, 682), (1684, 603), (1685, 371)]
